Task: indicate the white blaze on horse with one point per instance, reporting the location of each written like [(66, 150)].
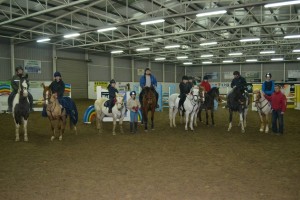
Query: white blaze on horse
[(118, 112), (20, 109), (264, 110), (190, 104)]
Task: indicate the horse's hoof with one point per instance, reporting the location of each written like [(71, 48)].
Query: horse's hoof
[(25, 139), (52, 138), (146, 130), (60, 138), (114, 133), (152, 129), (266, 131), (243, 131), (228, 129), (17, 140)]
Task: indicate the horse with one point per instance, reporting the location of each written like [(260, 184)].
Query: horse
[(21, 109), (264, 110), (118, 112), (191, 105), (56, 113), (238, 102), (148, 104), (210, 97)]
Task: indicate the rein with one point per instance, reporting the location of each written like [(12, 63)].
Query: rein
[(258, 102)]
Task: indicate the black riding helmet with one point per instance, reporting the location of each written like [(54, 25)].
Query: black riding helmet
[(19, 67), (132, 92), (205, 77), (268, 75), (112, 81), (185, 77), (236, 73)]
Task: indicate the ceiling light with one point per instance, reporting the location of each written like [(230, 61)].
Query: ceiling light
[(296, 50), (227, 61), (160, 59), (250, 39), (143, 49), (218, 12), (208, 43), (187, 63), (206, 55), (172, 46), (153, 22), (182, 57), (266, 52), (117, 51), (43, 40), (251, 60), (286, 3), (298, 58), (235, 54), (206, 62), (71, 35), (291, 36), (277, 59), (106, 29)]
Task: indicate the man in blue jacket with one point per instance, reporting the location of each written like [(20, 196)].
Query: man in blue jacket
[(148, 80)]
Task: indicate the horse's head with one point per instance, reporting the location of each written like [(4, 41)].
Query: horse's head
[(202, 94), (46, 94), (149, 96), (215, 93), (195, 93), (23, 87), (119, 100)]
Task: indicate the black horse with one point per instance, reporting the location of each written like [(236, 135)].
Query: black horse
[(238, 101), (208, 104)]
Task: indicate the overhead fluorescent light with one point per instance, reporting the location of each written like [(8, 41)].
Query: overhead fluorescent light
[(208, 43), (277, 59), (172, 46), (291, 36), (181, 57), (266, 52), (206, 62), (160, 59), (106, 29), (296, 50), (298, 58), (143, 49), (43, 40), (71, 35), (187, 63), (227, 61), (250, 39), (218, 12), (251, 60), (235, 54), (117, 51), (206, 55), (153, 22), (286, 3)]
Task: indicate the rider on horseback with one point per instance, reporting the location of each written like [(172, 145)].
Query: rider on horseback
[(184, 90), (15, 87), (112, 94), (57, 86), (205, 84), (239, 81), (148, 80), (268, 87)]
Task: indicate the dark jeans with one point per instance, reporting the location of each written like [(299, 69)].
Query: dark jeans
[(11, 98), (142, 94), (181, 101), (277, 117)]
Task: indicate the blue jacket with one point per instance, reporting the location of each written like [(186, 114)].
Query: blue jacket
[(268, 87), (143, 81)]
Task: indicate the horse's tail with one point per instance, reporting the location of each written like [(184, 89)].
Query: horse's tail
[(99, 104), (73, 115)]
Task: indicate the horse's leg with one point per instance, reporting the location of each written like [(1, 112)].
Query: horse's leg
[(174, 116), (25, 130), (261, 129), (63, 126), (200, 110), (114, 125), (206, 115), (152, 118), (230, 120), (242, 121), (192, 121), (186, 120), (245, 117), (121, 125), (212, 117), (195, 118), (52, 129), (17, 132), (146, 120), (267, 123), (171, 116)]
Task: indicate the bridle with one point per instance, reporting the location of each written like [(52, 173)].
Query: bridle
[(259, 102)]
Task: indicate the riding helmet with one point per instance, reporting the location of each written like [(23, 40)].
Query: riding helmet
[(185, 77), (236, 73), (268, 75), (19, 67), (112, 81), (132, 92), (191, 78), (57, 74), (205, 77)]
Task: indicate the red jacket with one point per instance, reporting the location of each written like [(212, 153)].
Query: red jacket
[(206, 85), (278, 101)]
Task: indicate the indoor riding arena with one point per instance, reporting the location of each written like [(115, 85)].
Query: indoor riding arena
[(58, 57)]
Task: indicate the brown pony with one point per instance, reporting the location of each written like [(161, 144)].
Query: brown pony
[(57, 115), (148, 104)]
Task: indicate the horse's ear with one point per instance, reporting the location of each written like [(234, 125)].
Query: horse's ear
[(116, 94), (43, 85)]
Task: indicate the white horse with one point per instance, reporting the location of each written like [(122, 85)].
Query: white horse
[(118, 112), (264, 110), (20, 109), (191, 105)]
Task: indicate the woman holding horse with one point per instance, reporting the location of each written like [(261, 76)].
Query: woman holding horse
[(112, 94)]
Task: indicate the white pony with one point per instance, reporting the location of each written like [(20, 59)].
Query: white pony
[(191, 105), (118, 112), (264, 110), (20, 109)]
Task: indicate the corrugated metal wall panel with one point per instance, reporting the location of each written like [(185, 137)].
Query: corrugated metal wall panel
[(99, 68), (214, 71), (276, 70), (5, 69), (180, 73), (5, 50), (229, 68), (139, 64), (75, 54), (122, 69), (251, 68), (291, 66), (122, 63), (157, 71), (169, 73), (194, 71), (75, 73)]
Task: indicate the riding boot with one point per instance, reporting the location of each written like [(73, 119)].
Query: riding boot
[(131, 127), (110, 109), (10, 102), (135, 127), (30, 98)]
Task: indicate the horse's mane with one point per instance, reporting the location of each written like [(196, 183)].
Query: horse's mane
[(212, 90)]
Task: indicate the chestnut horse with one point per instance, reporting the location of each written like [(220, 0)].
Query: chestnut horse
[(148, 104), (57, 115), (264, 110), (210, 98)]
